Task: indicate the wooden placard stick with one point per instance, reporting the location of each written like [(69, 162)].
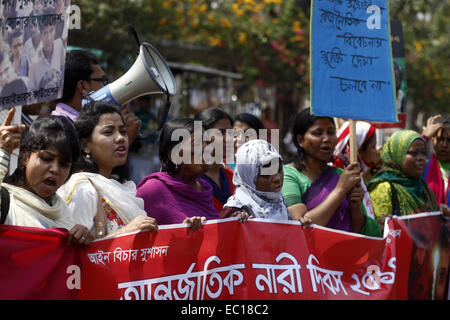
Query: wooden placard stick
[(353, 145)]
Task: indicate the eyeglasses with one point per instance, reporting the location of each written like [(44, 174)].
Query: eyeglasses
[(104, 80)]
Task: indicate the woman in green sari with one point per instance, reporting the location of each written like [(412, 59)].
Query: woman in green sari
[(399, 189)]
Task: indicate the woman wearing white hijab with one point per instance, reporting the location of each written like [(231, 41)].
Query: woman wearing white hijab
[(258, 178)]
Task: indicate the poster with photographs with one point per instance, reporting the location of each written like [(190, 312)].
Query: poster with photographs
[(33, 40)]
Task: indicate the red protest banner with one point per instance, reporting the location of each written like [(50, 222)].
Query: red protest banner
[(254, 260), (260, 259), (36, 263), (430, 256)]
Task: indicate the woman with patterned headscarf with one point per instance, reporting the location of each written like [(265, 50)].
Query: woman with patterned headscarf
[(369, 159), (258, 178), (368, 156), (399, 189)]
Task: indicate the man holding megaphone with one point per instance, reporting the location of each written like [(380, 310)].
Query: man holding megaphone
[(83, 75), (85, 81)]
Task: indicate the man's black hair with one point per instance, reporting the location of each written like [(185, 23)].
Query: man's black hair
[(78, 67)]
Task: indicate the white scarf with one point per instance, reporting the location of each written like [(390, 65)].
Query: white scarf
[(250, 157), (29, 210), (121, 197)]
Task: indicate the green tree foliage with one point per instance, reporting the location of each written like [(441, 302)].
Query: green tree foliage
[(266, 40), (426, 30), (268, 37)]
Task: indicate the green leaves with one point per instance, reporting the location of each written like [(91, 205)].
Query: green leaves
[(270, 37)]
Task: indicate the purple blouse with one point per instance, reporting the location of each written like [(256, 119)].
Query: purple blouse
[(64, 110), (170, 200)]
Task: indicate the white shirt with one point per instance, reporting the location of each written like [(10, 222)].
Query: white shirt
[(81, 194), (30, 51), (40, 64)]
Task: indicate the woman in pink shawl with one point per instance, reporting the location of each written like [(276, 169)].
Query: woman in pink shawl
[(437, 171), (176, 194)]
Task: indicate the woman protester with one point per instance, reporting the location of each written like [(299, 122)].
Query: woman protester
[(246, 127), (98, 194), (176, 194), (399, 189), (437, 171), (327, 195), (29, 198), (219, 176), (369, 159), (259, 179)]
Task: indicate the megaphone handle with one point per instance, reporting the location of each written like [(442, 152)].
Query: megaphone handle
[(165, 113), (134, 33), (162, 121)]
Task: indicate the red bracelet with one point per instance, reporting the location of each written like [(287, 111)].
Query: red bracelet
[(425, 137)]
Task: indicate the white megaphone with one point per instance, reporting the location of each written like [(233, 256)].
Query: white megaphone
[(149, 74)]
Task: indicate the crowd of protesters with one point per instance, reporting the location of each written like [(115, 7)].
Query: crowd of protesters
[(73, 171)]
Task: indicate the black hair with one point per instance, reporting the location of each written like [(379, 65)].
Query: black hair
[(251, 120), (77, 67), (211, 116), (17, 32), (444, 119), (365, 145), (44, 132), (85, 125), (302, 122), (167, 142), (47, 11)]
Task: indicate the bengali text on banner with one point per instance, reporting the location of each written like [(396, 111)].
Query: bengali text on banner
[(259, 259)]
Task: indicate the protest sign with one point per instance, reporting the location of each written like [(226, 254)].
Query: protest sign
[(351, 61), (33, 40), (258, 259)]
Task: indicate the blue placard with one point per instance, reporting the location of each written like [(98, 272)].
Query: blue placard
[(351, 68)]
